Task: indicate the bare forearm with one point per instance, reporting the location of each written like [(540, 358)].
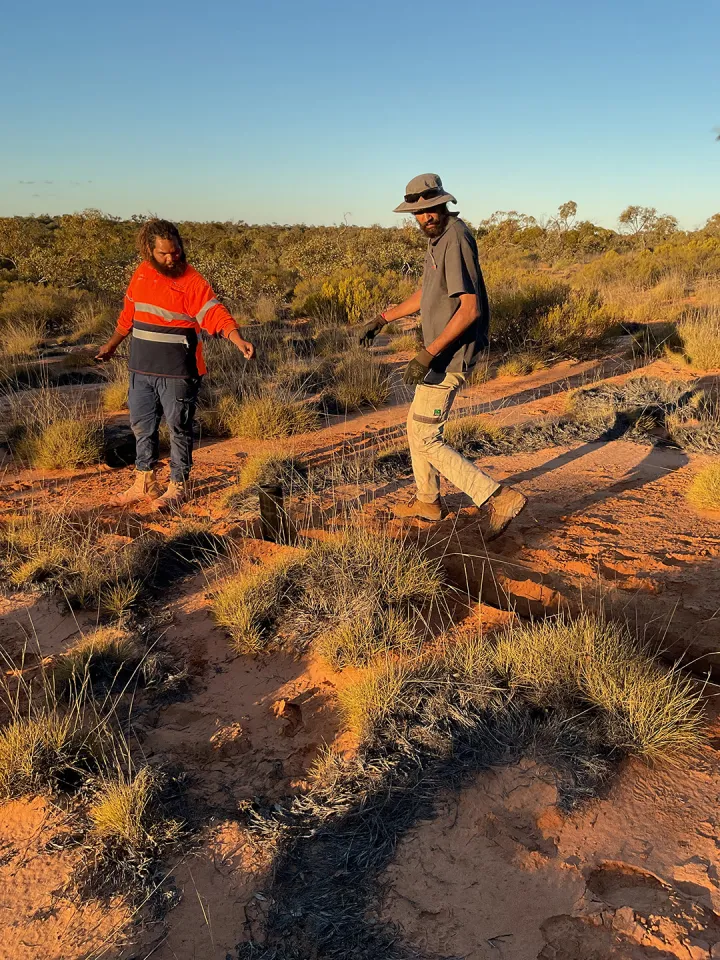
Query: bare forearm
[(117, 338), (463, 318), (405, 309)]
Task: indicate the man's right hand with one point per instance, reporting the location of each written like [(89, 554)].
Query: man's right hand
[(370, 331), (106, 352)]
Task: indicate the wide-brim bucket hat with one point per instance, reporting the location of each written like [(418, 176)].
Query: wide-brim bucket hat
[(424, 193)]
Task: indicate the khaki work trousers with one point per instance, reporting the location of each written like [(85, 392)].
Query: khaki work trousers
[(430, 455)]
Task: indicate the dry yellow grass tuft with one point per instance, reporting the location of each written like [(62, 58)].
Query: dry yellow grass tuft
[(119, 809), (405, 342), (699, 331), (358, 640), (247, 604), (654, 712), (271, 417), (359, 380), (704, 491), (62, 445), (368, 701), (98, 658), (466, 432), (21, 340), (521, 364), (115, 395), (37, 750)]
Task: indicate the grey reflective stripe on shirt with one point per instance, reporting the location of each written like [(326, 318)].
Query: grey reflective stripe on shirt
[(200, 316), (159, 312), (162, 337)]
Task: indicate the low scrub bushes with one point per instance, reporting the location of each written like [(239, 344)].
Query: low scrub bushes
[(356, 596), (581, 319), (41, 305), (518, 302)]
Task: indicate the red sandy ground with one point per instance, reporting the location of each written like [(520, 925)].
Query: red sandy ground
[(499, 873)]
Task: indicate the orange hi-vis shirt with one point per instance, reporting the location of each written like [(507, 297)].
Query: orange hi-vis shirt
[(166, 315)]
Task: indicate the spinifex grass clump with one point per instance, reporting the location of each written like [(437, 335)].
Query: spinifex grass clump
[(250, 605), (94, 568), (268, 468), (473, 434), (271, 416), (359, 381), (51, 432), (127, 814), (115, 394), (521, 363), (704, 491), (103, 660), (699, 331), (356, 595)]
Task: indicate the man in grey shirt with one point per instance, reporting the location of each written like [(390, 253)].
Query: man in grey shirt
[(455, 314)]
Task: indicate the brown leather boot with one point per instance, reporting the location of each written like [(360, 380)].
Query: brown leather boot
[(145, 487), (174, 497), (416, 508), (502, 507)]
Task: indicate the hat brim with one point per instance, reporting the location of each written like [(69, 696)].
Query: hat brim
[(428, 204)]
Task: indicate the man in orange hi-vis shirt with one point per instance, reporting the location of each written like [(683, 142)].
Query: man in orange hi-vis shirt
[(167, 304)]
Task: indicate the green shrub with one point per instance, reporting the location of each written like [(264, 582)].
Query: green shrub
[(581, 319)]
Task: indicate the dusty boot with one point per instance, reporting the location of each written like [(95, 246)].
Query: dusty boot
[(416, 508), (145, 487), (175, 495), (502, 507)]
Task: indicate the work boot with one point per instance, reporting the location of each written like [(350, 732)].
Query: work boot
[(502, 507), (174, 497), (417, 508), (145, 487)]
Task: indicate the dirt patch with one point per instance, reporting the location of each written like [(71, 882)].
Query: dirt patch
[(39, 917), (501, 873)]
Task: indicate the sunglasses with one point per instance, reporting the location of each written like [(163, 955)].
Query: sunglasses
[(425, 195)]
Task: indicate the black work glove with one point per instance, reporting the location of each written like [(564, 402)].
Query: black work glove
[(370, 331), (418, 367)]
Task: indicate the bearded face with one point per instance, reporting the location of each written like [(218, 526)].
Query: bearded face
[(433, 222), (168, 258)]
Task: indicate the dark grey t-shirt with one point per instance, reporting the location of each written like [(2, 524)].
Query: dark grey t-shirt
[(452, 268)]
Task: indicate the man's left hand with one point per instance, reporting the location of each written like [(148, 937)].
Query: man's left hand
[(418, 367)]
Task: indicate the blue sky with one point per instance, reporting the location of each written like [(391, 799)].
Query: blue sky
[(320, 111)]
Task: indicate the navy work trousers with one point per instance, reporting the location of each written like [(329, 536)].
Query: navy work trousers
[(148, 399)]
